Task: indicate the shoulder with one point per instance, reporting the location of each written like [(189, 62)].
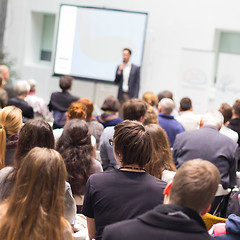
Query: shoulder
[(96, 166)]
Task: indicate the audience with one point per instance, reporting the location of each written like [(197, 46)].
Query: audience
[(60, 101), (22, 89), (109, 117), (126, 192), (226, 111), (36, 205), (207, 143), (35, 133), (76, 150), (167, 121), (40, 109), (133, 109), (187, 118), (150, 98), (3, 93), (187, 198), (150, 116), (95, 128), (10, 124), (161, 165)]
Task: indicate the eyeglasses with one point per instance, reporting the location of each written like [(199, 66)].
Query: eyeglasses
[(110, 142)]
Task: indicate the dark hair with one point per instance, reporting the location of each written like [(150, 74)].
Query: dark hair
[(236, 107), (35, 133), (89, 104), (75, 147), (185, 104), (65, 82), (132, 142), (134, 109), (161, 154), (226, 111), (165, 94), (1, 80), (127, 49), (111, 104)]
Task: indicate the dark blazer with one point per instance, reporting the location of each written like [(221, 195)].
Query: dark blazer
[(183, 224), (207, 143), (133, 82)]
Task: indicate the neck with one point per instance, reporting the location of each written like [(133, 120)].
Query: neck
[(235, 116), (132, 168)]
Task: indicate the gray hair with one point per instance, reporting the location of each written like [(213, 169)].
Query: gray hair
[(167, 105), (213, 118), (22, 87)]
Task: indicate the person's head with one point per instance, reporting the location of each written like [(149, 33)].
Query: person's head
[(150, 98), (236, 108), (132, 144), (166, 105), (22, 88), (111, 104), (194, 185), (65, 82), (32, 84), (185, 104), (37, 202), (212, 118), (134, 109), (165, 94), (10, 123), (75, 147), (1, 80), (226, 111), (4, 70), (150, 116), (126, 55), (77, 110), (89, 104), (161, 154), (35, 133)]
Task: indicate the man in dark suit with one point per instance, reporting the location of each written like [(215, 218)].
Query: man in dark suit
[(207, 143), (187, 198), (128, 78)]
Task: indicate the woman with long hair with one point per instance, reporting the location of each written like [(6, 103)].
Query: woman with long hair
[(35, 133), (161, 164), (35, 209), (76, 149), (10, 123)]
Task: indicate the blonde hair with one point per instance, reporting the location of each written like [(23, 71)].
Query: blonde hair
[(195, 184), (10, 123), (35, 209), (150, 98)]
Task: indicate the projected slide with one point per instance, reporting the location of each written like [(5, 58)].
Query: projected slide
[(90, 41)]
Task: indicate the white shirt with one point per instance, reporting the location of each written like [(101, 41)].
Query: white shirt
[(189, 120), (126, 73), (229, 133)]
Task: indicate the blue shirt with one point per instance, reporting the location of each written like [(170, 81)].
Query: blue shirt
[(171, 126)]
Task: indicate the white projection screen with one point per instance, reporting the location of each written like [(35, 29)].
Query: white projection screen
[(90, 40)]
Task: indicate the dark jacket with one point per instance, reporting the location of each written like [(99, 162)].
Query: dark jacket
[(207, 143), (170, 222), (235, 126), (133, 82)]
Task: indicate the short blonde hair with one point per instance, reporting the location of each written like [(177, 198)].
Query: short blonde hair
[(150, 98), (195, 184)]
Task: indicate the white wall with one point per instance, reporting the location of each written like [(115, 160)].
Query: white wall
[(173, 27)]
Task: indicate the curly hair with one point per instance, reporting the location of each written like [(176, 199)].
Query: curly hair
[(75, 147), (77, 110)]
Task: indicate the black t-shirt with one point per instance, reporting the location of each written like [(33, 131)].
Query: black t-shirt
[(118, 195)]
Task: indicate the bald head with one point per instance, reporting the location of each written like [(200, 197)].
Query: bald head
[(4, 70)]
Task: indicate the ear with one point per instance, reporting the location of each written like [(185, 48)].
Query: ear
[(180, 109), (159, 108), (166, 192), (239, 198), (205, 210), (141, 119)]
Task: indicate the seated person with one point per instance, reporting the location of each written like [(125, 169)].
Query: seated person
[(109, 117), (22, 89), (187, 198), (126, 192), (60, 101)]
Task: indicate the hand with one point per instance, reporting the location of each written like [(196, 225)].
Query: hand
[(121, 67)]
